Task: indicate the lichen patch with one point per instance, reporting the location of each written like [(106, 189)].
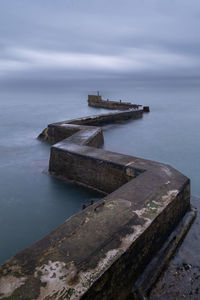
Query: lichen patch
[(129, 172), (170, 195), (86, 279), (9, 284), (166, 170), (153, 208), (130, 163), (55, 276), (129, 238)]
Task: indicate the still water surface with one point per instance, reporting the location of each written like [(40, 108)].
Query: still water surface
[(33, 203)]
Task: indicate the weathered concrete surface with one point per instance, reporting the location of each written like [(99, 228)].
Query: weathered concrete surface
[(143, 286), (181, 279), (100, 252)]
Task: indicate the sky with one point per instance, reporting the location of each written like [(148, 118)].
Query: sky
[(87, 39)]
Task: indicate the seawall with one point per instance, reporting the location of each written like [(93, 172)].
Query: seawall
[(102, 251), (97, 101)]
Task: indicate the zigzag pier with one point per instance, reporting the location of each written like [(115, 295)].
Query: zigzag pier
[(115, 248)]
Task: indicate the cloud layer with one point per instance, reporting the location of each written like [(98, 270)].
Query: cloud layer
[(99, 38)]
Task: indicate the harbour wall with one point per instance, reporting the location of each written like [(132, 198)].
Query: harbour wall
[(97, 101), (101, 252)]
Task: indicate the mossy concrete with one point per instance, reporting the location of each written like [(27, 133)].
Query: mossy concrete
[(100, 252)]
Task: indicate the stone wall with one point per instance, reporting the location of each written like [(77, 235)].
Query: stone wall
[(56, 132), (96, 101), (100, 252)]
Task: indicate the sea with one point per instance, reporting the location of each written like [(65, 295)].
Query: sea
[(32, 203)]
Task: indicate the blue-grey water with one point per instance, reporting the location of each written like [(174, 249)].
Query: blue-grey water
[(33, 203)]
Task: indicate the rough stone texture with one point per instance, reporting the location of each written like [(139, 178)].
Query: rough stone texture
[(144, 284), (100, 252), (181, 279)]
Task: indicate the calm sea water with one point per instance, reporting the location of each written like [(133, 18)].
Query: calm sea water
[(33, 203)]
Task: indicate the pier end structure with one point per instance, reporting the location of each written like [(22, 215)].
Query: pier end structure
[(97, 101), (102, 251)]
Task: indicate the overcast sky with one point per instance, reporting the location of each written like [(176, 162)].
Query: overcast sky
[(99, 39)]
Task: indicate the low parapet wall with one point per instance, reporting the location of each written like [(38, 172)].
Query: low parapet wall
[(96, 101), (61, 130), (100, 252)]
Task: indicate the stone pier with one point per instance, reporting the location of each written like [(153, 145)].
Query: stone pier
[(97, 101), (103, 251)]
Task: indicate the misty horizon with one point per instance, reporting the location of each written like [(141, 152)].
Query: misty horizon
[(143, 42)]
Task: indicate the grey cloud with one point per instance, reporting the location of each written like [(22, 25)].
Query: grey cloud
[(145, 39)]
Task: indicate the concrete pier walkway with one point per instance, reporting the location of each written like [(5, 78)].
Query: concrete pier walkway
[(104, 250)]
